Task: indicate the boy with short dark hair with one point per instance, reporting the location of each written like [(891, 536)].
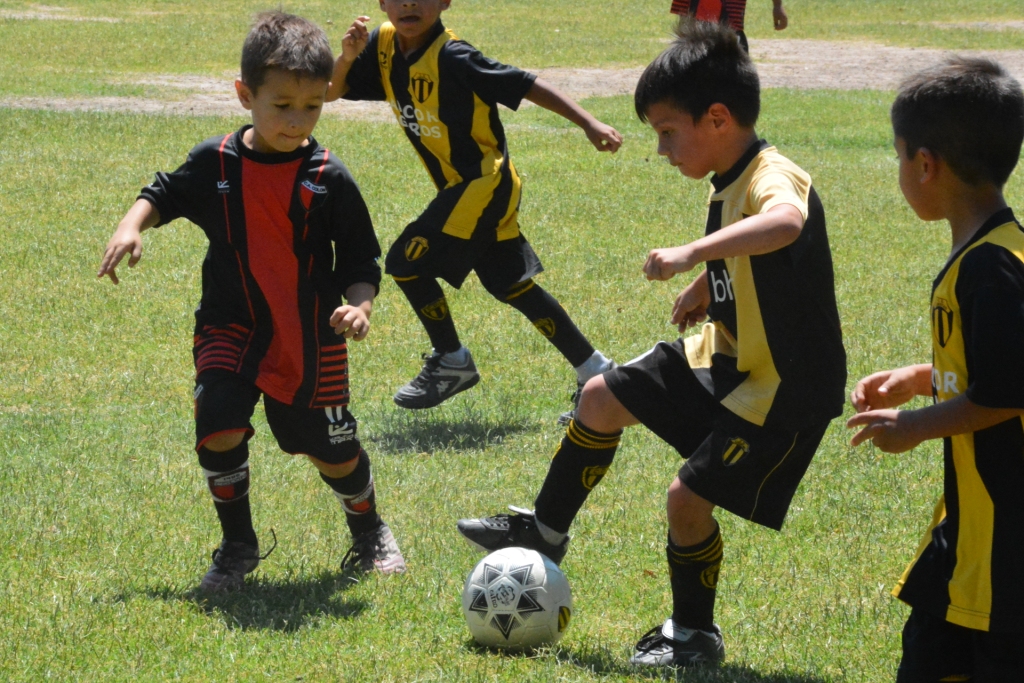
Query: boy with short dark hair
[(289, 237), (958, 131), (446, 95), (747, 400)]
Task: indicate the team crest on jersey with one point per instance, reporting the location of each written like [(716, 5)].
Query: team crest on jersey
[(310, 190), (422, 87), (437, 310), (545, 326), (734, 451), (416, 248), (592, 475), (709, 577), (942, 322)]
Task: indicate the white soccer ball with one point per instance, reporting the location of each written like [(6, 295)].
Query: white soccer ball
[(516, 599)]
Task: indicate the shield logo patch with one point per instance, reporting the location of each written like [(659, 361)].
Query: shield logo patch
[(416, 248), (942, 322), (734, 451), (592, 475), (422, 87), (545, 326), (437, 310)]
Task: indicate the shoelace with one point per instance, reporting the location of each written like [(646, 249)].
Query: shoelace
[(366, 545), (217, 553)]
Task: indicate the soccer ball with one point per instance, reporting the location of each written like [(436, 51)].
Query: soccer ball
[(516, 599)]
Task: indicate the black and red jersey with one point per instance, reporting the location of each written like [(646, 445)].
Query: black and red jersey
[(728, 12), (289, 233)]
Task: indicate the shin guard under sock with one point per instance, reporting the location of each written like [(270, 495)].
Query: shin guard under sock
[(357, 496), (427, 299), (580, 462), (227, 476), (550, 319), (693, 573)]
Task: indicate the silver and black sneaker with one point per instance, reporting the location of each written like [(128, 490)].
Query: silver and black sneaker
[(672, 646), (438, 381), (231, 562), (518, 530), (374, 551)]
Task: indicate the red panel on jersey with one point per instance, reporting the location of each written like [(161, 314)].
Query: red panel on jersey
[(267, 189)]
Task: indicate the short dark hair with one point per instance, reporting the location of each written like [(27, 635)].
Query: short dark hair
[(705, 64), (278, 40), (969, 112)]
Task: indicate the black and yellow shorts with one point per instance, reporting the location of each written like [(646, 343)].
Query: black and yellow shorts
[(225, 402), (448, 242), (748, 470)]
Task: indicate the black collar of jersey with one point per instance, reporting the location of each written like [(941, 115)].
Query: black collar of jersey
[(272, 157), (1000, 217), (414, 56), (720, 182)]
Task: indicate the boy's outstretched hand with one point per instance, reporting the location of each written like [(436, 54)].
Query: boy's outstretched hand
[(662, 264), (603, 137), (891, 388), (350, 321), (127, 239), (691, 307), (355, 40)]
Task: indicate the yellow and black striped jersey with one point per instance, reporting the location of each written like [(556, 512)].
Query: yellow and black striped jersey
[(774, 345), (969, 568), (446, 95)]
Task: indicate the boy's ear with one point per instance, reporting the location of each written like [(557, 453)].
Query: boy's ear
[(720, 116), (245, 95), (927, 163)]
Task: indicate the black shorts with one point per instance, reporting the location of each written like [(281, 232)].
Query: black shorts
[(750, 471), (224, 402), (935, 650), (424, 250)]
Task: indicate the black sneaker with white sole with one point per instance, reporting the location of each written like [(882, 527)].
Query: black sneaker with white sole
[(437, 382), (518, 530), (671, 646), (565, 418)]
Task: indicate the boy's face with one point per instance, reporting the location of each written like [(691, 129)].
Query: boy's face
[(688, 145), (413, 18), (284, 109)]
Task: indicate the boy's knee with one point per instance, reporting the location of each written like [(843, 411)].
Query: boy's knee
[(335, 470), (689, 515), (600, 410), (224, 441)]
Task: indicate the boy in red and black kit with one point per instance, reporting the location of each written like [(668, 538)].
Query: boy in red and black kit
[(289, 237), (729, 12)]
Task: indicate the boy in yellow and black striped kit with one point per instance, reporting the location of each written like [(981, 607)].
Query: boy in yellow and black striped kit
[(958, 131), (745, 402), (445, 94)]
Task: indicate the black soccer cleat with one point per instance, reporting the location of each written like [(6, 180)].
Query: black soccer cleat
[(518, 530), (231, 562), (437, 382), (671, 646), (568, 416)]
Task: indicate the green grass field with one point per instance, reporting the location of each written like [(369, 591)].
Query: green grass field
[(108, 526)]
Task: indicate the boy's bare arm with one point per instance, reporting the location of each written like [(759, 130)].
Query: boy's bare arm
[(896, 431), (602, 136), (892, 388), (355, 40), (779, 17), (353, 319), (765, 232), (128, 238)]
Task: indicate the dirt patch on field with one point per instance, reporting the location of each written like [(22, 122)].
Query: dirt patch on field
[(50, 13), (782, 63)]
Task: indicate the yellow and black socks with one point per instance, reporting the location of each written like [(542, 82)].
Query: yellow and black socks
[(428, 300), (357, 496), (227, 477), (581, 461), (693, 573), (550, 319)]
